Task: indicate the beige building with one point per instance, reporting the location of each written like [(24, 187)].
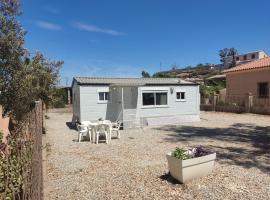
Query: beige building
[(246, 57), (252, 77)]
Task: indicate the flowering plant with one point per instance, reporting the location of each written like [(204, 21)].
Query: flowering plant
[(195, 152)]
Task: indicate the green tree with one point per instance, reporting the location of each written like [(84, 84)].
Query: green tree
[(228, 52), (233, 53), (145, 74), (22, 79), (161, 75), (11, 52)]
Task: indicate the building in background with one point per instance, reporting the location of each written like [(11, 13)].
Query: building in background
[(244, 58), (252, 77)]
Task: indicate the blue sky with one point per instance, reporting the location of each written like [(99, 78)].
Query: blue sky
[(123, 37)]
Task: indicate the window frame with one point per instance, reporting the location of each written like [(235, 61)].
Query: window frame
[(104, 96), (258, 88), (180, 91), (154, 92)]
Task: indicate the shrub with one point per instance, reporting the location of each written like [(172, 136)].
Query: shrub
[(180, 154), (183, 154), (59, 103)]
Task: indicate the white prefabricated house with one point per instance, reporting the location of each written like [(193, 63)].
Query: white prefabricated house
[(136, 101)]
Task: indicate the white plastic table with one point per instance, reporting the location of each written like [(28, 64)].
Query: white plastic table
[(93, 126)]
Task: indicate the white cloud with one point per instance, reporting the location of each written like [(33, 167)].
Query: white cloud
[(48, 25), (93, 28)]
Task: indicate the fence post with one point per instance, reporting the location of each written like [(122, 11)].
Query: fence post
[(215, 101), (250, 102)]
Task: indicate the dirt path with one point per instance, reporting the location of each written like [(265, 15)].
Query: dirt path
[(135, 167)]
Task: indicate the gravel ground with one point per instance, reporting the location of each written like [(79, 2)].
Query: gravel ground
[(135, 167)]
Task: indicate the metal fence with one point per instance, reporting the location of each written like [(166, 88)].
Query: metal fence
[(21, 159)]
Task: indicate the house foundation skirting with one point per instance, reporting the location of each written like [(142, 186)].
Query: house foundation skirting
[(168, 120)]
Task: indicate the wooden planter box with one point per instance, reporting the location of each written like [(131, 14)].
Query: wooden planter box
[(185, 170)]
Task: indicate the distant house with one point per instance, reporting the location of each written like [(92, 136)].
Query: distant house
[(246, 57), (252, 77), (135, 101)]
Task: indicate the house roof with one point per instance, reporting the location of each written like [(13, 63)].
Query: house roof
[(130, 81), (218, 76), (257, 64)]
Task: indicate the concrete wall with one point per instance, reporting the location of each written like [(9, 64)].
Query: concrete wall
[(244, 82)]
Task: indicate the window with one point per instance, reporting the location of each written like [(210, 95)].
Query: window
[(161, 98), (263, 89), (148, 99), (253, 56), (155, 98), (245, 57), (103, 96), (180, 96), (237, 58)]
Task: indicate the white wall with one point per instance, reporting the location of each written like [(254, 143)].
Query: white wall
[(174, 108), (90, 108)]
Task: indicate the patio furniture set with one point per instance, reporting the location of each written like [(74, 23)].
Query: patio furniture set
[(93, 129)]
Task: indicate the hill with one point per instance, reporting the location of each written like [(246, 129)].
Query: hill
[(197, 73)]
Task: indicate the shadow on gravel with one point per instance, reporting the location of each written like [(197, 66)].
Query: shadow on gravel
[(71, 125), (252, 151), (170, 179)]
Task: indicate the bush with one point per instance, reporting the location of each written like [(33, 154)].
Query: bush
[(58, 98), (58, 104)]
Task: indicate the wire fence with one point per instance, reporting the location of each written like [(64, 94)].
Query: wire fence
[(21, 159)]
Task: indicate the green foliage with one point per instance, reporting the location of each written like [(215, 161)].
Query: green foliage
[(22, 79), (14, 167), (210, 88), (161, 75), (145, 74), (228, 52), (204, 91), (58, 98), (180, 154)]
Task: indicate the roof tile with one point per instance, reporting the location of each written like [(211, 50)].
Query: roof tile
[(257, 64)]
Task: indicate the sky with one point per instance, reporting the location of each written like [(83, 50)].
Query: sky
[(120, 38)]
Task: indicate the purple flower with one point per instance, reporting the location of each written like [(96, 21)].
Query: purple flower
[(199, 151)]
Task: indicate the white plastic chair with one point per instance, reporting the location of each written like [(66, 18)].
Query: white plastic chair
[(116, 127), (102, 129), (85, 123), (109, 123), (82, 131)]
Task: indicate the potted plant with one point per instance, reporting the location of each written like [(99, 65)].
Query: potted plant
[(188, 164)]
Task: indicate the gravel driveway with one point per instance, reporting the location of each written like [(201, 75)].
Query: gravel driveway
[(135, 167)]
